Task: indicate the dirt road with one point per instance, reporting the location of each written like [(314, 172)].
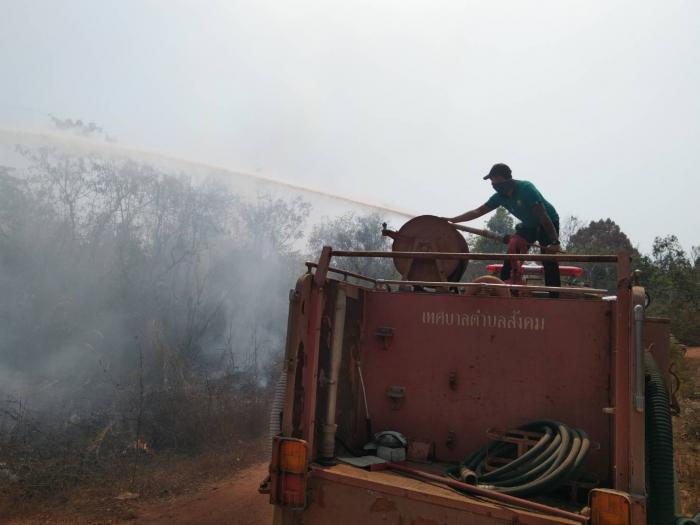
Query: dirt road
[(229, 502)]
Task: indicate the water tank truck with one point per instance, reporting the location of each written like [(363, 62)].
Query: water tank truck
[(516, 403)]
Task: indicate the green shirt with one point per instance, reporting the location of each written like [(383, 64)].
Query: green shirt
[(521, 202)]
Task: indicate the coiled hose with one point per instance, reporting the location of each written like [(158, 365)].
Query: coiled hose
[(555, 458)]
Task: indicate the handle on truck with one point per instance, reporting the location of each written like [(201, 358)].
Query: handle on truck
[(639, 360)]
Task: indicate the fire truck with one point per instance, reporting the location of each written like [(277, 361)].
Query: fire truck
[(425, 400)]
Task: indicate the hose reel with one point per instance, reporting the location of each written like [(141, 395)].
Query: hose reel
[(428, 233)]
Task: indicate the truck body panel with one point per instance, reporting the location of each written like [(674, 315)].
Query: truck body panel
[(468, 364)]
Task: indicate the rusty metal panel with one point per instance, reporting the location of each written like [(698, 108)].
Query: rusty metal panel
[(622, 390), (344, 495), (465, 364), (311, 359), (296, 322)]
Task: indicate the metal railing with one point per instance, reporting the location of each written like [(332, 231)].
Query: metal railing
[(563, 257), (494, 286), (345, 273), (328, 253)]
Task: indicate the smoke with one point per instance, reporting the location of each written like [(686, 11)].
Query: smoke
[(127, 291)]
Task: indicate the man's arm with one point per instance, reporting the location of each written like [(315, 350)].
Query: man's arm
[(473, 214), (546, 223)]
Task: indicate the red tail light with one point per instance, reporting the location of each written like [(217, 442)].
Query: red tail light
[(288, 469), (293, 490)]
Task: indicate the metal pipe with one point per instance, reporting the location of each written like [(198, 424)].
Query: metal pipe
[(484, 233), (345, 273), (639, 358), (362, 387), (368, 419), (491, 494), (477, 256), (529, 288), (329, 428), (491, 235)]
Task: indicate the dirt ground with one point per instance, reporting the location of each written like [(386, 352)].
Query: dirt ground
[(230, 501), (208, 489), (693, 352), (686, 430)]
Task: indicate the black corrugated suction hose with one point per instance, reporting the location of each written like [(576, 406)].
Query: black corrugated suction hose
[(695, 520), (555, 458), (659, 447)]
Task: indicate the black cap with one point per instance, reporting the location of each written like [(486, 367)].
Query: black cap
[(499, 170)]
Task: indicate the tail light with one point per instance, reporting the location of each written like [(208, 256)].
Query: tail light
[(610, 507), (288, 470)]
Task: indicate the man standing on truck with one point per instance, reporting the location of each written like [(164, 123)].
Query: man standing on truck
[(540, 221)]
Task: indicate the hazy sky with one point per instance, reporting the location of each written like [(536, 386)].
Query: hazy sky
[(403, 102)]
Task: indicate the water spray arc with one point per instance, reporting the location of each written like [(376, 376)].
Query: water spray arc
[(17, 135)]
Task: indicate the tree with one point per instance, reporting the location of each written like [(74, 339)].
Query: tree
[(569, 227), (502, 223), (600, 237), (673, 283), (274, 225), (669, 256), (354, 232)]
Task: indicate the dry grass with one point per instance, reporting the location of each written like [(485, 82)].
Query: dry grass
[(160, 477), (687, 434)]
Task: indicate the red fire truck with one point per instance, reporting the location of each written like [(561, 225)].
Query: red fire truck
[(429, 401)]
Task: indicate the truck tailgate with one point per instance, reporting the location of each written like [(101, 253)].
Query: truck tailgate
[(343, 494)]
